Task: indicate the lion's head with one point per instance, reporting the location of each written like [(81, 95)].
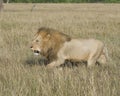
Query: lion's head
[(47, 42)]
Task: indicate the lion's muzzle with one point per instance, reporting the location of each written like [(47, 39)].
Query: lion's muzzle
[(36, 52)]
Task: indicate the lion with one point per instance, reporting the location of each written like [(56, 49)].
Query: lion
[(58, 47)]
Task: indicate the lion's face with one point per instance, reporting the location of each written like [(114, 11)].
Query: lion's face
[(39, 44), (36, 45)]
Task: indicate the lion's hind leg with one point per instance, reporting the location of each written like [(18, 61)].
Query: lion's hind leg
[(92, 59), (91, 62), (94, 56), (102, 59)]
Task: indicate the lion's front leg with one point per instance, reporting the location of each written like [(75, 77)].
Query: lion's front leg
[(55, 63)]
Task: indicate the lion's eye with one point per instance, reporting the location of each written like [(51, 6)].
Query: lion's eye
[(37, 40)]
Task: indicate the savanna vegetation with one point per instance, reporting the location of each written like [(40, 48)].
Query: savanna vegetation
[(22, 73), (63, 1)]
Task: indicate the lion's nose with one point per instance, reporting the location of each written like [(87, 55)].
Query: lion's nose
[(36, 51)]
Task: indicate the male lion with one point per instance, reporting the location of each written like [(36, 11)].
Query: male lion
[(57, 47)]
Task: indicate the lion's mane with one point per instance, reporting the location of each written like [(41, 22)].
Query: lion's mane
[(53, 41)]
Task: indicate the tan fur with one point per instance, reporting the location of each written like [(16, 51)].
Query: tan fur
[(57, 47)]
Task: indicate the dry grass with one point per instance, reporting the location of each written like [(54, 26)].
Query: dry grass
[(17, 27)]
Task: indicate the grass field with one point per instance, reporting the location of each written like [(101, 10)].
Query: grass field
[(20, 71)]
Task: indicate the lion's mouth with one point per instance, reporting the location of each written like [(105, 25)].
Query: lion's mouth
[(36, 52)]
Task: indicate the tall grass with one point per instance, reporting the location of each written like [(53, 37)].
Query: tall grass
[(20, 71), (63, 1)]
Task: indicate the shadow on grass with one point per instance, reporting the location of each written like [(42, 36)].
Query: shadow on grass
[(72, 63), (44, 62), (36, 61)]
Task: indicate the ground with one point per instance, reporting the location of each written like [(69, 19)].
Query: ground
[(21, 73)]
